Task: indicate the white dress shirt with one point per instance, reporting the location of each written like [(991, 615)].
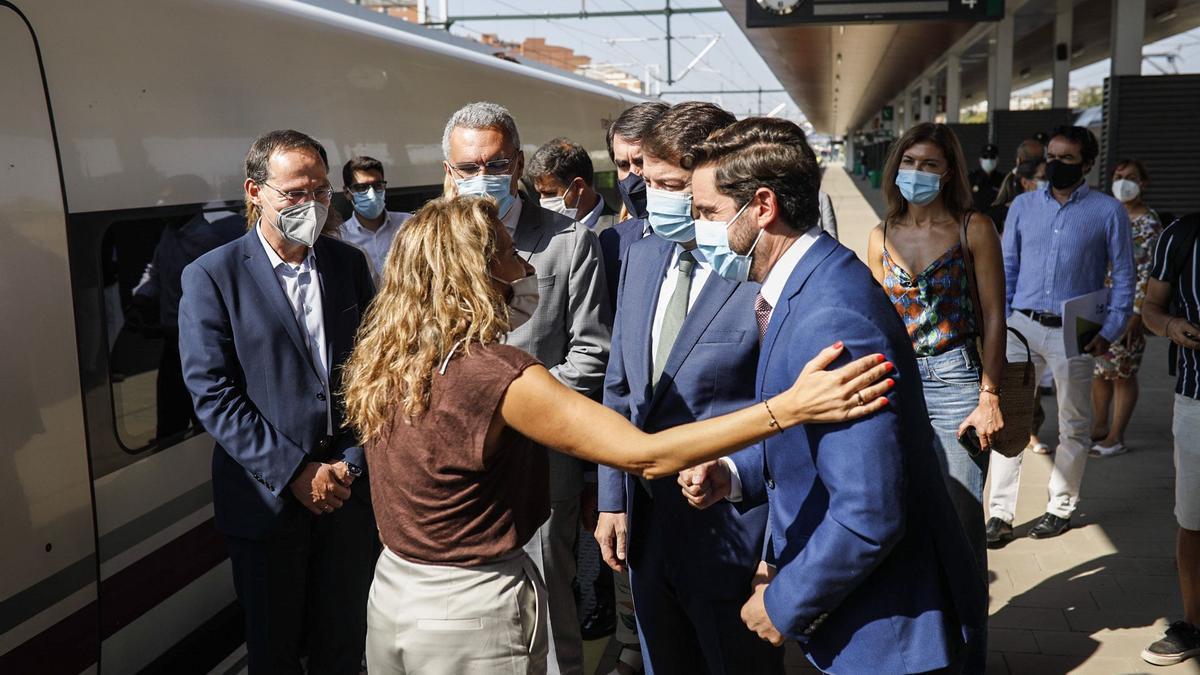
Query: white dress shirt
[(700, 273), (772, 289), (302, 286), (377, 243)]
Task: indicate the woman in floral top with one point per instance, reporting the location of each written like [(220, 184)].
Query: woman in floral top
[(1115, 382)]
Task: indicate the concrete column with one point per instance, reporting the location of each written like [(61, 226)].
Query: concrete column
[(1061, 87), (897, 124), (1128, 33), (1000, 65), (928, 99), (953, 87)]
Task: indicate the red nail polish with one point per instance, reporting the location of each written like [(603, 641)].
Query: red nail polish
[(890, 367), (837, 345), (891, 382), (880, 358)]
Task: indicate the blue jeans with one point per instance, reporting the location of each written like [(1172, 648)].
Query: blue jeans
[(951, 383)]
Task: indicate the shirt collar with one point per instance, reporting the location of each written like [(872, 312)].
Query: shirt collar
[(700, 259), (591, 218), (777, 278), (1079, 193), (354, 224), (513, 216), (276, 261)]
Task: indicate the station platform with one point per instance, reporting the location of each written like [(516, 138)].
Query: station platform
[(1090, 600)]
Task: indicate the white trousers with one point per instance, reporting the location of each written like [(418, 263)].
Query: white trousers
[(1186, 428), (1073, 386), (442, 620)]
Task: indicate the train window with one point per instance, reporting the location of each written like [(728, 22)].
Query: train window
[(141, 267)]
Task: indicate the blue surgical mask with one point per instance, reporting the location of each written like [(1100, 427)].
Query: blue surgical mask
[(368, 203), (918, 187), (712, 239), (496, 187), (670, 214), (633, 194)]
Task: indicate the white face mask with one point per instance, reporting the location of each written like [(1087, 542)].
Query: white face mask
[(524, 300), (988, 164), (1126, 190), (558, 205), (301, 223)]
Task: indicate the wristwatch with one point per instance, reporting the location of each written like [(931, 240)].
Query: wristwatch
[(353, 469)]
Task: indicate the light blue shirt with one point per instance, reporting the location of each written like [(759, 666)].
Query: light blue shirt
[(1054, 252)]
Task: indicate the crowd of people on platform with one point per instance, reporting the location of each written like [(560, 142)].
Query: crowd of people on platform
[(768, 439)]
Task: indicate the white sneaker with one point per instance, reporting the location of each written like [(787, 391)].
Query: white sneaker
[(1038, 448), (1107, 451)]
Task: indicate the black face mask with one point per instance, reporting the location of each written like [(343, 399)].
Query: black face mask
[(1063, 176), (633, 193)]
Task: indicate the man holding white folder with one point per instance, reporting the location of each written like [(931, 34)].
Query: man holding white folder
[(1059, 243)]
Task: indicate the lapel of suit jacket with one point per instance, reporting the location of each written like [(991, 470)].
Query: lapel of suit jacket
[(648, 278), (264, 276), (332, 302), (529, 234), (813, 257), (712, 298)]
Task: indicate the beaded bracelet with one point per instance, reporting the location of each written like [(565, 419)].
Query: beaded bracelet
[(774, 422)]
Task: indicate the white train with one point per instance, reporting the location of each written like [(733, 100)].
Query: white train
[(117, 118)]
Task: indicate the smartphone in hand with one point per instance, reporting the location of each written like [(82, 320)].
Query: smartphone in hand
[(970, 440)]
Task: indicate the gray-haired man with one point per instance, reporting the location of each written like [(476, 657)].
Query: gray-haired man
[(569, 332)]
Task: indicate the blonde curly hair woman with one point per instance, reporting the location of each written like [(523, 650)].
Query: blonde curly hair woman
[(451, 419)]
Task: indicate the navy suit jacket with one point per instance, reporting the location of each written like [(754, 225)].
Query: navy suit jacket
[(253, 382), (710, 372), (874, 572), (614, 244)]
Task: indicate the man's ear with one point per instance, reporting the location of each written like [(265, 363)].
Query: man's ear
[(518, 172), (252, 189), (767, 206)]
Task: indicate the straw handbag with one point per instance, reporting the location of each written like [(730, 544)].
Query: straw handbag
[(1018, 387)]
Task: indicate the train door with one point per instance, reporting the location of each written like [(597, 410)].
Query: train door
[(49, 612)]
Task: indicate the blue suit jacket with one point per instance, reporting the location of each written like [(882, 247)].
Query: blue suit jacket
[(874, 572), (253, 382), (614, 244), (710, 372)]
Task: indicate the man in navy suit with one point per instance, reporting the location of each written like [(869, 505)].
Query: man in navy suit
[(625, 137), (865, 564), (265, 323), (684, 348)]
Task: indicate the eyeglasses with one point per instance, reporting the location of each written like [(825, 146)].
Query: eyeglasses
[(496, 167), (361, 188), (321, 194)]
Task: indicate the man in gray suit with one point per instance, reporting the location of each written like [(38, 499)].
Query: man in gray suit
[(569, 332)]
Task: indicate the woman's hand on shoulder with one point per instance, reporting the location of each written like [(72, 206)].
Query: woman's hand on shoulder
[(855, 390)]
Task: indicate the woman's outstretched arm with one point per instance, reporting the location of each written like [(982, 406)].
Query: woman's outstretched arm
[(541, 408)]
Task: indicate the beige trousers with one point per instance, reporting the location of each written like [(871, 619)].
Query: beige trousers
[(443, 620)]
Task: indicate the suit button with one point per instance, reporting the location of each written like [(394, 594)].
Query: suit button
[(770, 484), (321, 396)]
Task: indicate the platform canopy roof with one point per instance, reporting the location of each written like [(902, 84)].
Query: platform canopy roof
[(842, 76)]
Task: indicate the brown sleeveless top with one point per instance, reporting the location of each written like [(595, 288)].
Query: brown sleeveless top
[(437, 498)]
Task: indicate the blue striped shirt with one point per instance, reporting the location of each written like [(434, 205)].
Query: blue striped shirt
[(1054, 252)]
